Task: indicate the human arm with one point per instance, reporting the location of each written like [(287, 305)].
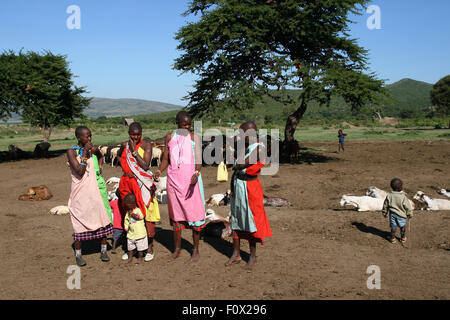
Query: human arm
[(137, 215), (165, 159), (408, 207), (143, 162), (126, 222), (385, 207), (253, 158), (78, 167), (198, 158)]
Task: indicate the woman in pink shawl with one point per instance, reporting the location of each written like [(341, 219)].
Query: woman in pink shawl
[(184, 185), (87, 211)]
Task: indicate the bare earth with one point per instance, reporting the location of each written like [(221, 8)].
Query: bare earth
[(318, 249)]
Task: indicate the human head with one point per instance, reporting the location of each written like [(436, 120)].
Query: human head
[(339, 131), (249, 129), (83, 135), (135, 131), (183, 120), (397, 184), (130, 201)]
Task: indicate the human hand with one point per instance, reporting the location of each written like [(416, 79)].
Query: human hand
[(135, 216), (156, 175), (132, 145)]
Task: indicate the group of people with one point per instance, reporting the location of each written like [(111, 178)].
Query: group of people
[(136, 212)]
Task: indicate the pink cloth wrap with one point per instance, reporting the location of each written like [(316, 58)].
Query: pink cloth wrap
[(184, 201), (87, 211)]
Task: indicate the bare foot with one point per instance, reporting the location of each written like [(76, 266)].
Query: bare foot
[(139, 260), (250, 264), (233, 260), (130, 260), (175, 255), (195, 256)]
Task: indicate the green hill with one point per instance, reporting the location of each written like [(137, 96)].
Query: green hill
[(126, 107), (410, 99)]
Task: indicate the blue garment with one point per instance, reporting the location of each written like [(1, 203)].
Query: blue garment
[(341, 138), (241, 214), (396, 220)]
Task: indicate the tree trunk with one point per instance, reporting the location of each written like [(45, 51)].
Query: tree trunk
[(47, 134), (290, 145)]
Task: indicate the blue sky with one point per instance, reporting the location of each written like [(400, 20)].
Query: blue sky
[(126, 49)]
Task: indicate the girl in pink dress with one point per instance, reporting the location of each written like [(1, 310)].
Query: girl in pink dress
[(87, 211), (184, 184)]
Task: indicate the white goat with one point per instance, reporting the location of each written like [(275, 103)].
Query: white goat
[(215, 199), (364, 203), (113, 180), (103, 150), (444, 192), (114, 152), (156, 154), (432, 204), (60, 210), (374, 192), (212, 217)]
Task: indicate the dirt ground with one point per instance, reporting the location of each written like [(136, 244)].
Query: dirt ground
[(319, 250)]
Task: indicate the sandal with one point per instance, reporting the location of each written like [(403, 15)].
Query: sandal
[(232, 261), (403, 239), (392, 240)]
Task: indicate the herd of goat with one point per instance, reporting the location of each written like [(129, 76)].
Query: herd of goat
[(374, 199)]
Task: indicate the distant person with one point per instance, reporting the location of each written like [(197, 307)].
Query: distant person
[(341, 137), (185, 197), (137, 178), (248, 217), (88, 213), (135, 227), (399, 208)]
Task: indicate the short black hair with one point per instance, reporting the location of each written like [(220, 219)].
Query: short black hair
[(396, 184), (135, 126), (79, 130), (129, 197), (182, 115)]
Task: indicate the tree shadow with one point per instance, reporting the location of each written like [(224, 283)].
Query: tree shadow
[(375, 231)]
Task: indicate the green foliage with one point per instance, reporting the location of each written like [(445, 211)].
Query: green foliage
[(241, 50), (440, 95), (40, 88)]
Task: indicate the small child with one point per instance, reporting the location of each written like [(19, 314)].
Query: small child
[(135, 227), (341, 136), (118, 221), (399, 208)]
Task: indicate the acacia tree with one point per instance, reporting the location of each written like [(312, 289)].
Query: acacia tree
[(40, 88), (440, 96), (241, 50)]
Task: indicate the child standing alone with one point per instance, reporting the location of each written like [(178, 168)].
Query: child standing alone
[(341, 136), (399, 208), (134, 225)]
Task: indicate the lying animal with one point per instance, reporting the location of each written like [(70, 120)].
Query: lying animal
[(432, 204), (60, 210), (219, 199), (364, 203), (113, 180), (275, 202), (41, 192), (216, 226), (374, 192), (444, 192)]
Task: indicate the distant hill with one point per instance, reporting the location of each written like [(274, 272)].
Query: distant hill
[(125, 107), (410, 98)]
